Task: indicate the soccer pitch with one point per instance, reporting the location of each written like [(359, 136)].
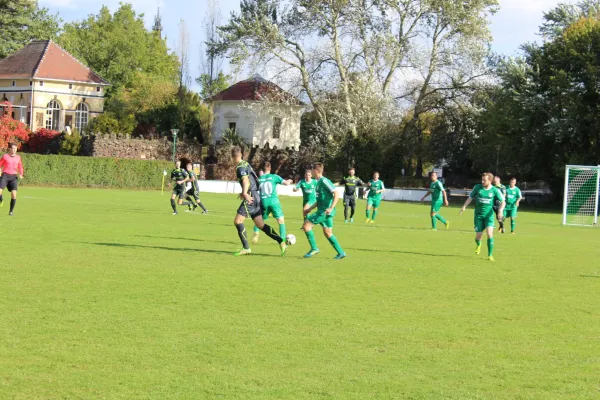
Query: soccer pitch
[(106, 295)]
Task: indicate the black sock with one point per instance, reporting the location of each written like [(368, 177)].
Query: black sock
[(243, 235), (173, 205), (352, 210), (346, 212), (272, 234), (12, 204), (501, 224), (1, 199), (186, 203), (201, 205)]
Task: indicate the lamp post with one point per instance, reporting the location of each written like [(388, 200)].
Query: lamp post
[(498, 147), (174, 132)]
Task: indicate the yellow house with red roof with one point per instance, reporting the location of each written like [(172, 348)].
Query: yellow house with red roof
[(49, 88)]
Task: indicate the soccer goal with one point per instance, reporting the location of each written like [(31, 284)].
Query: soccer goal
[(580, 205)]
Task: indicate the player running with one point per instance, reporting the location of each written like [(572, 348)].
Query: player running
[(498, 184), (308, 187), (179, 176), (327, 198), (251, 206), (12, 170), (376, 188), (193, 191), (485, 195), (513, 199), (270, 200), (350, 183), (438, 197)]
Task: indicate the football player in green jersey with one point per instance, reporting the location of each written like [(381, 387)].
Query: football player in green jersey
[(327, 198), (498, 184), (513, 199), (308, 186), (350, 183), (193, 191), (251, 206), (179, 176), (376, 188), (438, 197), (267, 185), (485, 195)]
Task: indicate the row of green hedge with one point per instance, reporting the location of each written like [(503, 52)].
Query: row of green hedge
[(58, 170)]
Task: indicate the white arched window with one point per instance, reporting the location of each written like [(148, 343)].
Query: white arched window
[(81, 116), (52, 115)]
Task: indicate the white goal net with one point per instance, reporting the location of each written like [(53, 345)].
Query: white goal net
[(580, 205)]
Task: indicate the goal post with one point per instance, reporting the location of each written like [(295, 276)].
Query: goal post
[(580, 203)]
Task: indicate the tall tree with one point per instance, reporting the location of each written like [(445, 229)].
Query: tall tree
[(458, 41), (22, 21), (118, 47), (325, 43), (565, 14), (545, 114), (212, 78), (183, 49)]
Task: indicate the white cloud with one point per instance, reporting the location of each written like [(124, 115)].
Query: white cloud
[(147, 7), (58, 3), (529, 6), (517, 23)]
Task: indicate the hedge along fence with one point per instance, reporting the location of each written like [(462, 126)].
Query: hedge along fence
[(55, 170)]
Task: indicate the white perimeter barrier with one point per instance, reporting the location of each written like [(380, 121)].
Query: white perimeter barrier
[(233, 187)]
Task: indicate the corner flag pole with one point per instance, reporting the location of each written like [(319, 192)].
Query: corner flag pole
[(163, 182)]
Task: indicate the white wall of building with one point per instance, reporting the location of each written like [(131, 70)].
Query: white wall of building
[(254, 122)]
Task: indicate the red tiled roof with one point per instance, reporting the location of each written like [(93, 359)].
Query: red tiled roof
[(24, 62), (44, 59), (255, 89)]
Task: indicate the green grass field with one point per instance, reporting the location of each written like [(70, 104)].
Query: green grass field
[(106, 295)]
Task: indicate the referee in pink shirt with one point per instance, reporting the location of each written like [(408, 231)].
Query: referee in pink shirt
[(12, 171)]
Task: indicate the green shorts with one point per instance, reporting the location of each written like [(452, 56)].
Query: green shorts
[(373, 202), (510, 213), (320, 218), (484, 222), (436, 206), (310, 203), (273, 209)]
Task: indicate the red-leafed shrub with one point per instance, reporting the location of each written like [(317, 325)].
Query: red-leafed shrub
[(11, 131), (41, 141)]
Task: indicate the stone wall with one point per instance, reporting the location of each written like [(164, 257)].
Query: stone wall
[(139, 149), (289, 164)]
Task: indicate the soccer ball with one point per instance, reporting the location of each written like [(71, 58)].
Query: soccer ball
[(290, 239)]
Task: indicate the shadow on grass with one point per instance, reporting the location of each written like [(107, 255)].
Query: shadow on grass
[(139, 246), (412, 253), (589, 276), (410, 228), (188, 239)]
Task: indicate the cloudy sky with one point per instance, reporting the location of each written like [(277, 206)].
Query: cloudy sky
[(515, 23)]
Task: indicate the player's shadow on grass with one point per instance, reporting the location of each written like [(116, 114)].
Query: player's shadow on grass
[(188, 239), (424, 229), (411, 253), (139, 246)]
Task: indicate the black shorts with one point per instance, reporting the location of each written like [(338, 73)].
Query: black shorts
[(9, 181), (349, 201), (496, 208), (251, 210), (179, 191), (193, 193)]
